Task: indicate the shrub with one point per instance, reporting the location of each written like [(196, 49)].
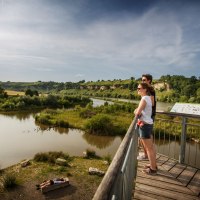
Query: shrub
[(9, 181), (41, 157), (90, 153), (44, 119), (51, 156), (100, 124), (62, 123), (86, 113)]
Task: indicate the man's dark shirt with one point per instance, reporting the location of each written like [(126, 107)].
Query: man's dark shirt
[(153, 93)]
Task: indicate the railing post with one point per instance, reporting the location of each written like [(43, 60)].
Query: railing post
[(183, 141)]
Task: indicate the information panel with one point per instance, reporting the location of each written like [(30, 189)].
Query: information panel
[(186, 108)]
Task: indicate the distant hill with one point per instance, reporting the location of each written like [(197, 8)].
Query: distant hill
[(168, 88)]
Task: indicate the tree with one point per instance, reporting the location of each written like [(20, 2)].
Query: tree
[(31, 93), (3, 94), (130, 86)]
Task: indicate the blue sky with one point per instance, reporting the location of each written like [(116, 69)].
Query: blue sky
[(72, 40)]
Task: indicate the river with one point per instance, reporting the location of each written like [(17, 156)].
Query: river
[(21, 138), (160, 106)]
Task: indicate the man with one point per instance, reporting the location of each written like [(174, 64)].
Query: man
[(147, 78)]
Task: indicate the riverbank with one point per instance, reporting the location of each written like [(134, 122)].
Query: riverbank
[(82, 185)]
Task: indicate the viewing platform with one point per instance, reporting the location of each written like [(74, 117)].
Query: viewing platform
[(178, 175), (173, 181)]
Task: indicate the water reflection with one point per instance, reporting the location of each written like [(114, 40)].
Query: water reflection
[(43, 128), (20, 115), (100, 142), (22, 138)]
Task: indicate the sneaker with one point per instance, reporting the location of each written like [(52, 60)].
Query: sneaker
[(149, 171), (142, 157)]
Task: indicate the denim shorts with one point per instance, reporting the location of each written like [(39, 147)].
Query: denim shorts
[(145, 131)]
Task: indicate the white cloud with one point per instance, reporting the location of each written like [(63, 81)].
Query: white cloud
[(47, 38), (79, 75)]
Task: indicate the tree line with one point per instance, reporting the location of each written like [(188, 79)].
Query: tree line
[(181, 88), (32, 100)]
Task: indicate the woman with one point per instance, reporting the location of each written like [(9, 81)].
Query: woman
[(50, 182), (145, 125)]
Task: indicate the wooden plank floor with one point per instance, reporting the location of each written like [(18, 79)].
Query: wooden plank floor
[(173, 181)]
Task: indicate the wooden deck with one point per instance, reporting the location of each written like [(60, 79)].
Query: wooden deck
[(173, 181)]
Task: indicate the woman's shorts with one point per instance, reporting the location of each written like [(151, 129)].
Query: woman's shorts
[(145, 131)]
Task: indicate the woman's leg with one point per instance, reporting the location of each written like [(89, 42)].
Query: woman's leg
[(145, 151), (47, 183), (149, 146)]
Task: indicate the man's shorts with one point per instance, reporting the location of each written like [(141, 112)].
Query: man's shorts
[(145, 131)]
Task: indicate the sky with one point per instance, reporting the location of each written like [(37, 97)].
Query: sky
[(73, 40)]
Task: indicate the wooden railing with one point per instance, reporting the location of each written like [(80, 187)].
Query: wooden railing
[(118, 180)]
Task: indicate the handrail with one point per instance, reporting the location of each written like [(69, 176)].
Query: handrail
[(184, 133), (179, 114), (107, 185), (119, 178)]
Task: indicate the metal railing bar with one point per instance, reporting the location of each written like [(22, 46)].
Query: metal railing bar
[(179, 114), (178, 122), (193, 124)]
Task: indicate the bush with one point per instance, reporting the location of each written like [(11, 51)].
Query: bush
[(41, 157), (51, 156), (62, 123), (44, 119), (90, 154), (9, 181), (86, 113), (100, 124)]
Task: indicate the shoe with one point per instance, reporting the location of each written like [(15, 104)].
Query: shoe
[(142, 157), (148, 166), (149, 171)]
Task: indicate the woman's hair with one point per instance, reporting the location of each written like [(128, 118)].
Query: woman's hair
[(148, 87)]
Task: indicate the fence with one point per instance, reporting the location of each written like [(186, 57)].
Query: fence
[(118, 181), (177, 136)]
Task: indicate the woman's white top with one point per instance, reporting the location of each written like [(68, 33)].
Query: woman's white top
[(146, 113)]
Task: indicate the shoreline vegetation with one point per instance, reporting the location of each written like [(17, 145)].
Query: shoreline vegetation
[(102, 120)]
